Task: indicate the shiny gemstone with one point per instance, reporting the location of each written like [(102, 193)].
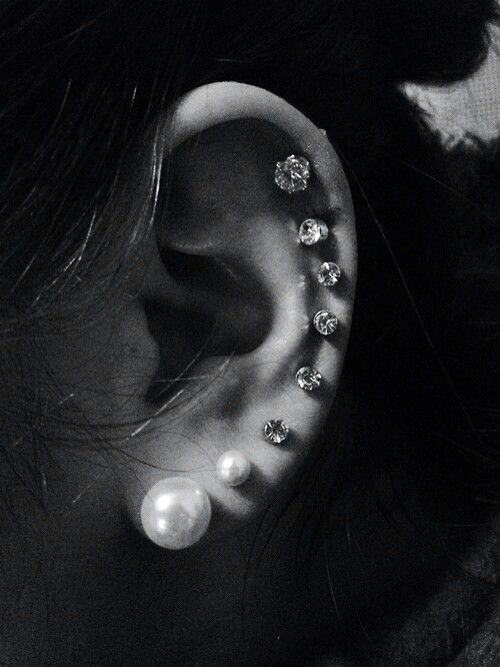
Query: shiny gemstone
[(328, 274), (276, 431), (312, 231), (292, 174), (308, 379), (325, 322)]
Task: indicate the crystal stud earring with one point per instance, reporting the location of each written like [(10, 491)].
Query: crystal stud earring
[(325, 322), (308, 378), (328, 274), (276, 431), (233, 468), (312, 231), (292, 174), (175, 513)]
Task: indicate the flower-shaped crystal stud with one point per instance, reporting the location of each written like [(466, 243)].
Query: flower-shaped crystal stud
[(313, 231), (276, 431), (325, 322), (328, 274), (292, 174), (308, 378)]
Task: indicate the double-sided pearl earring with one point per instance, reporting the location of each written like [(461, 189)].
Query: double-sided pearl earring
[(176, 511)]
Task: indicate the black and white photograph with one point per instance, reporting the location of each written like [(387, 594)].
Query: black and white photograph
[(249, 333)]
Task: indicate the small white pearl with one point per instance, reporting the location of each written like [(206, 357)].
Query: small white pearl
[(175, 513), (233, 468)]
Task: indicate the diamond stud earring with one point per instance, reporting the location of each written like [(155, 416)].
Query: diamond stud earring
[(175, 513), (292, 174), (233, 468), (328, 274), (276, 431), (325, 322), (312, 231), (308, 378)]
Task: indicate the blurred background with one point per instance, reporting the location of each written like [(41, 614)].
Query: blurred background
[(471, 107)]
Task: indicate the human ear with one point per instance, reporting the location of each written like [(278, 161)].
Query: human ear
[(230, 294)]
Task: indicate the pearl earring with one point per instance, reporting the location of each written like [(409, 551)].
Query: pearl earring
[(233, 468), (175, 513)]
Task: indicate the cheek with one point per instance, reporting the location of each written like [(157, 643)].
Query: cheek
[(95, 398), (102, 373)]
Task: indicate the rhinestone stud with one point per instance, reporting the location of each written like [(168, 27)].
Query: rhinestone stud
[(276, 431), (325, 322), (328, 274), (313, 231), (292, 174), (308, 379)]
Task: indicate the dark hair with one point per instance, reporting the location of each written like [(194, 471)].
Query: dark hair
[(84, 85)]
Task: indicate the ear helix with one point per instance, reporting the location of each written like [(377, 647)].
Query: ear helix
[(176, 511)]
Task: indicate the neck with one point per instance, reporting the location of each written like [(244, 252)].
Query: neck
[(237, 602)]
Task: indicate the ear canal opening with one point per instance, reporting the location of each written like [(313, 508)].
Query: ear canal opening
[(181, 337), (224, 315)]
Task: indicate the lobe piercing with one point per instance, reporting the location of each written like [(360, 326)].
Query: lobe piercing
[(329, 274), (292, 174), (313, 231), (308, 378), (325, 322), (276, 431), (233, 468), (175, 513)]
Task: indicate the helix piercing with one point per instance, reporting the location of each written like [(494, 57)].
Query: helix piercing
[(233, 468), (308, 378), (292, 174), (312, 231), (276, 431), (329, 274), (175, 513), (325, 322)]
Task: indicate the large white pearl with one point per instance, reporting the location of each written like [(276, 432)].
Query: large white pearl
[(233, 468), (175, 513)]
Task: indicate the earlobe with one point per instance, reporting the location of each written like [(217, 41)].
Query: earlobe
[(261, 225)]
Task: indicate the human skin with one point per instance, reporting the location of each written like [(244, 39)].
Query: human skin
[(81, 585)]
